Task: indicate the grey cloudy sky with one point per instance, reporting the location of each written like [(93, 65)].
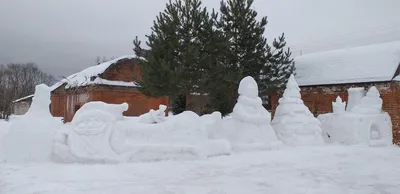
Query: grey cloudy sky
[(65, 36)]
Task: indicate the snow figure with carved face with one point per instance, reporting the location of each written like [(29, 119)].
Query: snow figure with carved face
[(249, 127), (293, 123), (87, 138)]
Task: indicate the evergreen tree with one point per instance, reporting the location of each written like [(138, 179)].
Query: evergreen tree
[(249, 50), (183, 49)]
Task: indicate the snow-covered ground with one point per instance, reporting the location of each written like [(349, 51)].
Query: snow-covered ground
[(308, 170)]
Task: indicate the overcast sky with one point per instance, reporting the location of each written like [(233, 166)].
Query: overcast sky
[(65, 36)]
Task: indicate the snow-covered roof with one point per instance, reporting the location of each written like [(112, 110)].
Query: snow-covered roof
[(23, 98), (83, 78), (371, 63)]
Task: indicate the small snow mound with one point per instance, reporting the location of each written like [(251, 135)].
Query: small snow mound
[(153, 116)]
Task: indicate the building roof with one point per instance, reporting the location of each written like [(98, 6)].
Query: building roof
[(23, 98), (84, 77), (373, 63)]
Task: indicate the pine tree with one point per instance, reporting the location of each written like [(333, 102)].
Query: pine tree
[(250, 53), (183, 50)]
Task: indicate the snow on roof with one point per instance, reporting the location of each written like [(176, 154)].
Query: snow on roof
[(371, 63), (23, 98), (83, 78)]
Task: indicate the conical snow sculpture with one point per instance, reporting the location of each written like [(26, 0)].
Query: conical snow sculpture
[(249, 127), (369, 104), (30, 137), (293, 122)]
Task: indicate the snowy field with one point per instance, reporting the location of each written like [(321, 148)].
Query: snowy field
[(328, 170)]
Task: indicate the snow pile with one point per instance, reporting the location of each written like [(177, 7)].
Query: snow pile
[(30, 137), (154, 116), (249, 127), (363, 122), (99, 133), (293, 122)]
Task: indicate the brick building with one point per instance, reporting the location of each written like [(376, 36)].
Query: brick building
[(324, 76), (112, 82)]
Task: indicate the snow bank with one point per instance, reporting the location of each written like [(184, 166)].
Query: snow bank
[(363, 122), (101, 134), (249, 127), (30, 137), (293, 122)]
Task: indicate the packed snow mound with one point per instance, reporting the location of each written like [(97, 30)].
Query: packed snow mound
[(249, 127), (293, 122), (363, 122), (30, 137), (208, 119), (103, 136), (154, 116)]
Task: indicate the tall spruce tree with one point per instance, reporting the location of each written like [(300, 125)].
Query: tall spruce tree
[(183, 49), (249, 50)]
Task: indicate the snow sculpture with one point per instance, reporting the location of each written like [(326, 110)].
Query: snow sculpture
[(369, 104), (99, 133), (363, 124), (355, 95), (30, 138), (88, 136), (154, 116), (249, 127), (339, 107), (293, 122)]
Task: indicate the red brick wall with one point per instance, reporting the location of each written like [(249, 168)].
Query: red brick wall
[(123, 70), (319, 100), (138, 103)]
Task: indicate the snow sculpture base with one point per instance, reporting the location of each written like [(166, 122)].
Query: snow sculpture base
[(96, 136), (357, 129)]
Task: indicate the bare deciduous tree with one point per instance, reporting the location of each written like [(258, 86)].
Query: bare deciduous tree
[(17, 81)]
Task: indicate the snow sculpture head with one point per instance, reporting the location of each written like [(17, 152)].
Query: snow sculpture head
[(40, 101), (371, 103), (248, 87), (373, 92), (292, 88), (338, 106)]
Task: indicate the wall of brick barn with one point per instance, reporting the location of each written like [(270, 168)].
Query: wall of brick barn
[(319, 100)]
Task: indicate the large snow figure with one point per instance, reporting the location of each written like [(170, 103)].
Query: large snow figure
[(249, 127), (99, 133), (30, 137), (293, 122)]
